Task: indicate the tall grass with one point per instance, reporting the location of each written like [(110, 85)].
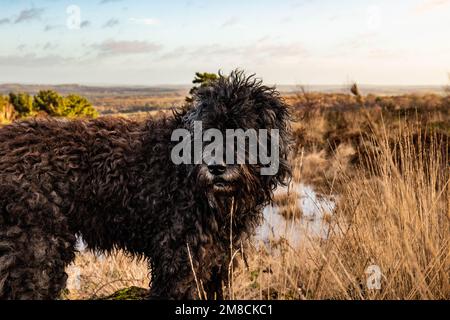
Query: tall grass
[(93, 276), (392, 216), (391, 223)]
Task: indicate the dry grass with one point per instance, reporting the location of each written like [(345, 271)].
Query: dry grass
[(92, 276), (287, 202), (395, 217), (391, 179)]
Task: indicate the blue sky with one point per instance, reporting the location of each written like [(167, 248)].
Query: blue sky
[(285, 42)]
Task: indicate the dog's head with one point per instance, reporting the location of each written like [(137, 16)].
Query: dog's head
[(220, 108)]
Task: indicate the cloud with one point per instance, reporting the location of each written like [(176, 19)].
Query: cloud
[(262, 50), (113, 47), (145, 21), (359, 41), (85, 24), (301, 3), (109, 1), (4, 21), (230, 22), (111, 23), (29, 15), (175, 53), (286, 19), (49, 46), (49, 27), (32, 60), (428, 5), (281, 50)]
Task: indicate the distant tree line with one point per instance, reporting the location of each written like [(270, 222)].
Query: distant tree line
[(47, 102)]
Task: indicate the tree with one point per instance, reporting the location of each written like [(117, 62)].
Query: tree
[(202, 79), (22, 103), (76, 105), (49, 102)]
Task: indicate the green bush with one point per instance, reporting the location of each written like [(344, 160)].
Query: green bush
[(22, 103), (202, 79), (51, 103), (76, 105)]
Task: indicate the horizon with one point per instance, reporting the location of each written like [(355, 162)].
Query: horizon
[(189, 85), (293, 42)]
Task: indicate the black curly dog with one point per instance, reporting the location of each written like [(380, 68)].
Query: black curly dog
[(112, 181)]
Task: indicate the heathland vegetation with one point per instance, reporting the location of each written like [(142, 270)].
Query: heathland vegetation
[(382, 161), (45, 102)]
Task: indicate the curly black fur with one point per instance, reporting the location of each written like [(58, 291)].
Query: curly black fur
[(112, 181)]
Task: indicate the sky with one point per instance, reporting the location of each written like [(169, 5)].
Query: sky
[(300, 42)]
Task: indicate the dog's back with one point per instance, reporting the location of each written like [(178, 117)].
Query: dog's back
[(55, 176), (114, 182)]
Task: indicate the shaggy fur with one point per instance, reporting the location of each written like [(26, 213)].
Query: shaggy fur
[(112, 181)]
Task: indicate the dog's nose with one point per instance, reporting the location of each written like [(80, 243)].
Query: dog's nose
[(217, 169)]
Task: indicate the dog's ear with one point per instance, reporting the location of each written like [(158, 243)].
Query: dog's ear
[(274, 114)]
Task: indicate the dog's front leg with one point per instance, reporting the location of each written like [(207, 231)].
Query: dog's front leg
[(214, 286), (174, 276)]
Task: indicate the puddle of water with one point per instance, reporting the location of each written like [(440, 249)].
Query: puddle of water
[(275, 226), (311, 224)]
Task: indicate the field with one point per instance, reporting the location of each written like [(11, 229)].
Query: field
[(136, 101), (91, 91), (366, 215)]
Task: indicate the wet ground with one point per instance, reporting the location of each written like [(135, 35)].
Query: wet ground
[(275, 226), (312, 223)]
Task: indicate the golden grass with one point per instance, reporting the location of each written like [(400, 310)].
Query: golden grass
[(92, 276), (392, 214), (287, 203), (394, 218)]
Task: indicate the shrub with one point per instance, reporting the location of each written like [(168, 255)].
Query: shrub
[(49, 102), (202, 79), (7, 112), (22, 103), (76, 105)]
